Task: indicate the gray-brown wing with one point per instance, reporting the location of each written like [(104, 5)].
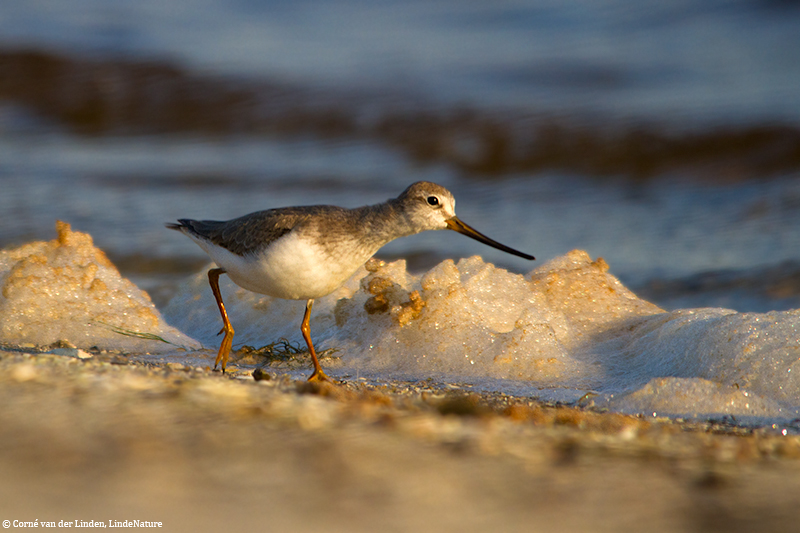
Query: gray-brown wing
[(250, 233)]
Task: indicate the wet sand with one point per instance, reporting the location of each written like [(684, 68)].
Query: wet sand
[(112, 438)]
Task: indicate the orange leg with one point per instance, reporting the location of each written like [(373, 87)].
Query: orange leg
[(227, 340), (305, 329)]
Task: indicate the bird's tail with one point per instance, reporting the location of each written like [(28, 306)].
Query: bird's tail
[(182, 225)]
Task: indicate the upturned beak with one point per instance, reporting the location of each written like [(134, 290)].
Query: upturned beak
[(456, 225)]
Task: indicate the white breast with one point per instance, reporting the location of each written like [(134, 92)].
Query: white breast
[(292, 267)]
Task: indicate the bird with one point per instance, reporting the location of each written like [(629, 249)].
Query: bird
[(307, 252)]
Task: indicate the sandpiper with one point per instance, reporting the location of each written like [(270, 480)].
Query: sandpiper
[(303, 253)]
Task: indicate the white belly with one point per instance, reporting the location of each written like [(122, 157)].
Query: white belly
[(291, 268)]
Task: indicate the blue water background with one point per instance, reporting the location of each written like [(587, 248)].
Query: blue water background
[(678, 68)]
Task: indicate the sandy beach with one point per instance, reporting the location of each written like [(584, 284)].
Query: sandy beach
[(109, 438)]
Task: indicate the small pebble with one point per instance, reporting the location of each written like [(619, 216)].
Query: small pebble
[(260, 375)]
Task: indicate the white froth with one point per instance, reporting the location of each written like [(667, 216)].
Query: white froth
[(67, 290), (568, 325)]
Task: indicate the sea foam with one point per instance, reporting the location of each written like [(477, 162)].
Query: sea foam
[(67, 290), (567, 330)]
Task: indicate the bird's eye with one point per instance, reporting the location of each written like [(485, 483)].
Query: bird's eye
[(432, 200)]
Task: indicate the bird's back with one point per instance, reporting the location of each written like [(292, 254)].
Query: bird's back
[(252, 233)]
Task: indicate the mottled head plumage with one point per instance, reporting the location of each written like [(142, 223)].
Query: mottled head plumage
[(428, 206)]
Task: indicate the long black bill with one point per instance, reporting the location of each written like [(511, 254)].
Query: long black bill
[(456, 225)]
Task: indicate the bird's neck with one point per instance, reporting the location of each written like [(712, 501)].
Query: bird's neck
[(384, 222)]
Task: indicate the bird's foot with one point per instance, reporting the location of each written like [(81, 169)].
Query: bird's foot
[(319, 376)]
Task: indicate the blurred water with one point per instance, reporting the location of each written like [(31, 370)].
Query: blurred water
[(662, 137), (684, 61)]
